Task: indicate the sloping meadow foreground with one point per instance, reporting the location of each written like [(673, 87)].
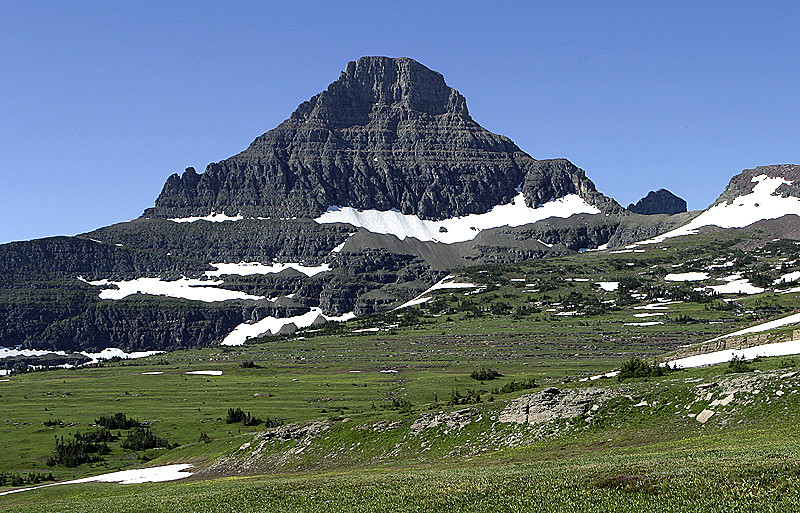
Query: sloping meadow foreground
[(475, 399)]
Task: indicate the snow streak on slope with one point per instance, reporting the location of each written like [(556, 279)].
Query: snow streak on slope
[(274, 324), (214, 218), (106, 354), (445, 283), (770, 325), (248, 268), (197, 290), (778, 349), (457, 229), (743, 211)]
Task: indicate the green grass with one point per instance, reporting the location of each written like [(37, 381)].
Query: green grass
[(623, 458)]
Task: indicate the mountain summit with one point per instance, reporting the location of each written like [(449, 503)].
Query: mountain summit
[(388, 134)]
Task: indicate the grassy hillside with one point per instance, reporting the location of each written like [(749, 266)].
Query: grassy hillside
[(382, 412)]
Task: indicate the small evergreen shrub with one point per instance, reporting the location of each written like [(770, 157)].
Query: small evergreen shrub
[(141, 438), (738, 364), (484, 374), (515, 386), (117, 421)]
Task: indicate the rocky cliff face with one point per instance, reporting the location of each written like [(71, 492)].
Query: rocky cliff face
[(388, 134), (743, 182), (659, 202)]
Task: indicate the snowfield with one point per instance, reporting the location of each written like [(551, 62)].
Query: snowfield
[(213, 218), (136, 476), (686, 276), (106, 354), (273, 325), (196, 290), (112, 352), (249, 268), (445, 283), (743, 211), (457, 229), (777, 349), (736, 285)]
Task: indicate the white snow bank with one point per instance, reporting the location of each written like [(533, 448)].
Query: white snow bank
[(649, 314), (274, 324), (112, 352), (6, 352), (770, 325), (788, 278), (155, 373), (609, 286), (646, 323), (105, 354), (457, 229), (777, 349), (248, 268), (736, 286), (197, 290), (695, 276), (136, 476), (214, 218), (445, 283), (743, 211), (206, 372)]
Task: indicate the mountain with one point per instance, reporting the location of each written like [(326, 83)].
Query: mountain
[(388, 134), (368, 194), (659, 202)]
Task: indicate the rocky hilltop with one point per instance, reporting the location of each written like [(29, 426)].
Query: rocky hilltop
[(743, 183), (659, 202), (388, 134)]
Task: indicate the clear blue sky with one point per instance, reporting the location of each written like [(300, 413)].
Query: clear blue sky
[(101, 101)]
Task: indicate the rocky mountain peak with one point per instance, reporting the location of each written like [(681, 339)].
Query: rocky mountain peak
[(659, 202), (743, 183), (377, 83), (388, 134)]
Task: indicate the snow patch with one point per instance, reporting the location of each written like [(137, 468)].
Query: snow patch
[(213, 218), (273, 325), (769, 325), (608, 286), (206, 372), (777, 349), (457, 229), (184, 288), (788, 278), (695, 276), (136, 476), (445, 283), (249, 268), (112, 352), (6, 352), (646, 323), (736, 285)]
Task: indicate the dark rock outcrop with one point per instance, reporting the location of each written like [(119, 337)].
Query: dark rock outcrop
[(388, 134), (659, 202), (743, 182)]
